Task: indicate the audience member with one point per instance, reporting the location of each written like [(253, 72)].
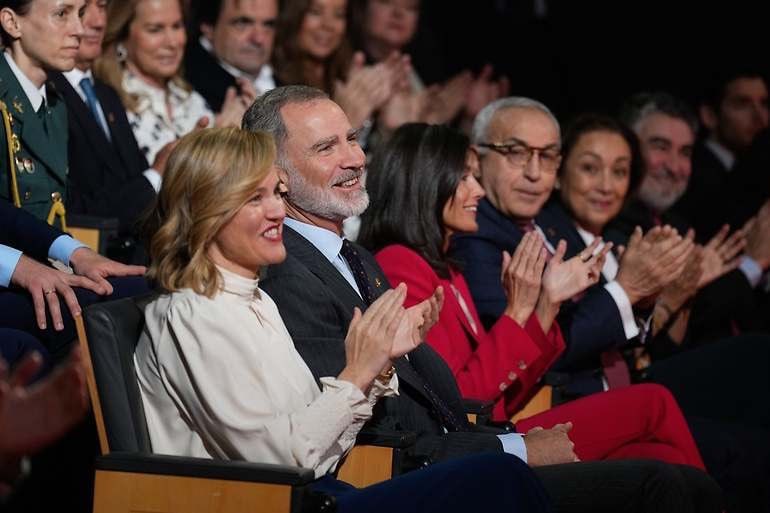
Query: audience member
[(312, 49), (433, 167), (143, 50), (220, 216), (319, 158), (38, 36), (380, 28), (732, 110), (31, 290), (34, 415), (666, 130), (232, 53), (108, 175)]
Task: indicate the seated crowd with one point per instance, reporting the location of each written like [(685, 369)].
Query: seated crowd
[(330, 245)]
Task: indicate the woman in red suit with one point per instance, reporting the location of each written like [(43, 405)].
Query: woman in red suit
[(422, 190)]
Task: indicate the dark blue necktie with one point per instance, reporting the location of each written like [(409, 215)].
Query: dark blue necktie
[(353, 259), (93, 104)]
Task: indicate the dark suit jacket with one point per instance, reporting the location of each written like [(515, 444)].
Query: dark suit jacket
[(720, 306), (105, 177), (590, 326), (316, 303), (206, 75), (25, 232)]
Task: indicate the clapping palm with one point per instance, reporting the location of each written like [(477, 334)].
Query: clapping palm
[(419, 319), (564, 279)]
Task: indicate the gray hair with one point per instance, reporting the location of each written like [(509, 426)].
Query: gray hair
[(484, 118), (265, 113), (641, 105)]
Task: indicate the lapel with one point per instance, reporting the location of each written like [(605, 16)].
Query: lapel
[(114, 111), (90, 129), (302, 249), (457, 310), (30, 128), (556, 223)]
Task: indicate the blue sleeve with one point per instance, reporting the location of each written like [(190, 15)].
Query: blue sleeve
[(63, 247), (9, 257)]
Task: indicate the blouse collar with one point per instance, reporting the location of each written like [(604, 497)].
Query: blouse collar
[(238, 285)]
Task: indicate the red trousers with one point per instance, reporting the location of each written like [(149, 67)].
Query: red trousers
[(640, 421)]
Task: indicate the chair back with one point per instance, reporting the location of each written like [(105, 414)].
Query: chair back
[(112, 330)]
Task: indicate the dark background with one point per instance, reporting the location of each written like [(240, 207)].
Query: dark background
[(591, 54)]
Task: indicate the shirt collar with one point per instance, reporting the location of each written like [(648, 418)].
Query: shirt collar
[(36, 96), (75, 76), (264, 80), (325, 241), (725, 156)]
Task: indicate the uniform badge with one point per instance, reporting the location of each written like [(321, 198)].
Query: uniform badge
[(377, 282), (18, 106)]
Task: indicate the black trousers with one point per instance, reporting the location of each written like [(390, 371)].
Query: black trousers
[(724, 390), (18, 312), (726, 380), (629, 486)]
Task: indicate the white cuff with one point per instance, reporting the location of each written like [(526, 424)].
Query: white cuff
[(513, 443), (624, 308), (154, 178), (751, 269)]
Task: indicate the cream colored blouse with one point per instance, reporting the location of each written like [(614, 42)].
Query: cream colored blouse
[(220, 378)]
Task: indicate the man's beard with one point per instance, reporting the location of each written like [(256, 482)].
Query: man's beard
[(659, 198), (323, 201)]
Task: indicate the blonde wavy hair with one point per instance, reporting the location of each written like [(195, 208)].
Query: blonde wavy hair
[(109, 67), (210, 175)]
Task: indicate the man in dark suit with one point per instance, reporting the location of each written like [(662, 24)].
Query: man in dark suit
[(325, 277), (666, 130), (733, 110), (108, 174), (233, 50)]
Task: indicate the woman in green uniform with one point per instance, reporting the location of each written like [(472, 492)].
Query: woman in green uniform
[(37, 36)]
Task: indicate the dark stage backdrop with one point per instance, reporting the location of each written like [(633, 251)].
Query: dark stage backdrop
[(590, 54)]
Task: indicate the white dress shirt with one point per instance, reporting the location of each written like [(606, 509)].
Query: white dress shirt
[(619, 296), (264, 81)]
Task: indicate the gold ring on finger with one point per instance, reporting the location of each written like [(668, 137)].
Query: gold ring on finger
[(52, 291)]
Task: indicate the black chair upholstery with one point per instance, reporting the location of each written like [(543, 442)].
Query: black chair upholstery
[(113, 330)]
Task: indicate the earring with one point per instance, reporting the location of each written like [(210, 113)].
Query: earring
[(121, 52)]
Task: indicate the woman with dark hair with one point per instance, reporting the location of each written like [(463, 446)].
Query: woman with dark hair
[(429, 170), (37, 36)]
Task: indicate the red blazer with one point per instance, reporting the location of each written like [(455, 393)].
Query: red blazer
[(502, 365)]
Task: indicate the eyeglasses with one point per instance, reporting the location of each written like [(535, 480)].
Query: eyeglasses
[(519, 154)]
